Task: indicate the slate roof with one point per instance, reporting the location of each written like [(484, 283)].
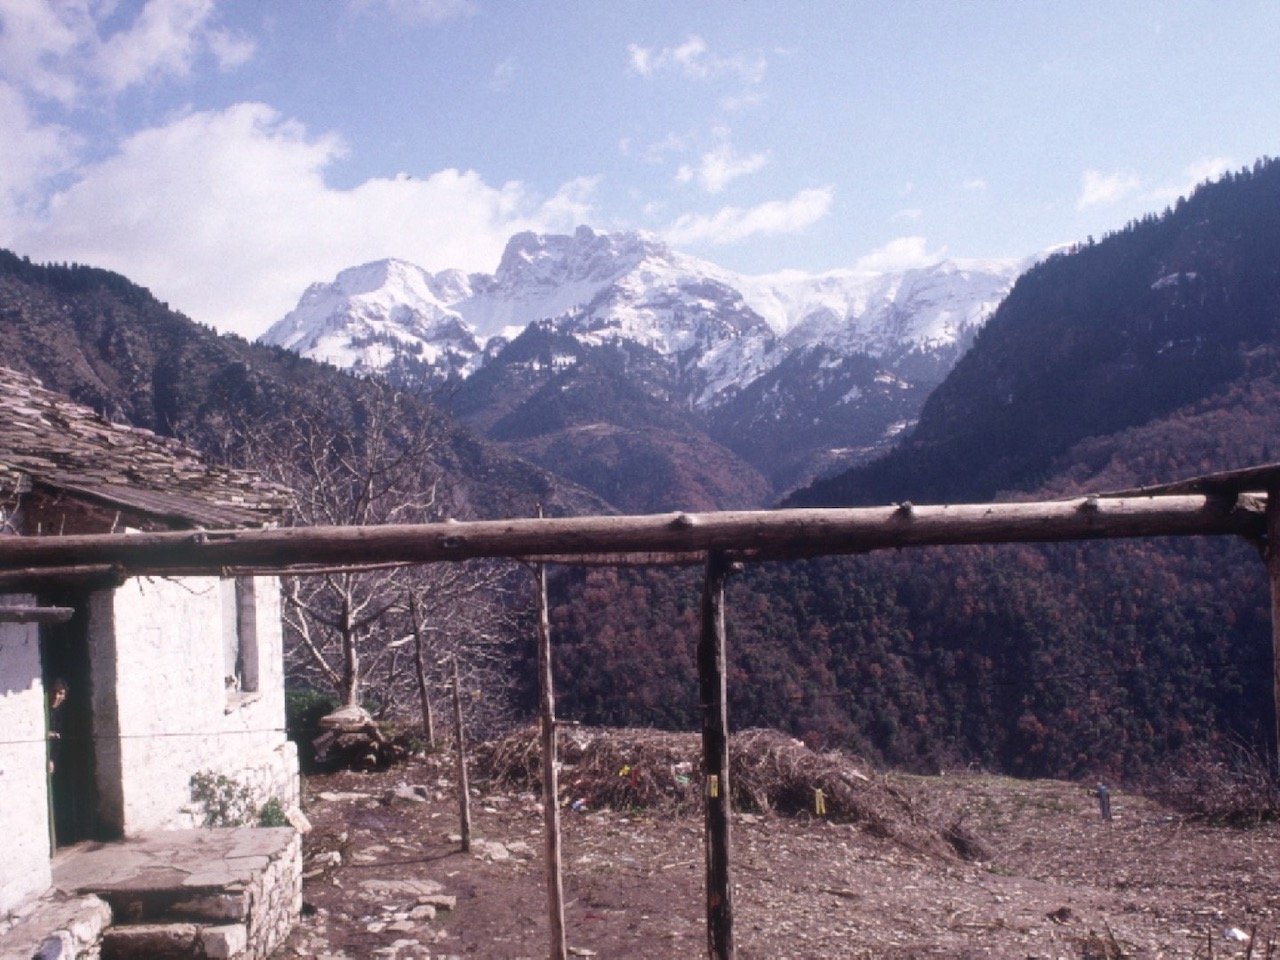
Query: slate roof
[(48, 440)]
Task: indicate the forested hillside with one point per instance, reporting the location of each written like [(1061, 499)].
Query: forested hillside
[(1111, 335), (1149, 356)]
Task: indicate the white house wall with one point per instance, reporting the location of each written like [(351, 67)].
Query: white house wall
[(24, 810), (162, 710)]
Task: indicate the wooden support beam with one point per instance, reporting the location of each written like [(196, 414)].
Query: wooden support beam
[(1271, 552), (464, 783), (36, 614), (420, 674), (37, 578), (715, 758), (758, 534), (550, 776), (670, 559)]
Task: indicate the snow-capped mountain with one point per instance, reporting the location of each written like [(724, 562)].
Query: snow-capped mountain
[(723, 347), (373, 313)]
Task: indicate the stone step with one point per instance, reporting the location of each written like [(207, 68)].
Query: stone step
[(173, 904), (175, 941), (54, 927)]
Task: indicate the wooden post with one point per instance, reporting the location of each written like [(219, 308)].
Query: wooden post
[(1272, 554), (550, 776), (464, 787), (420, 669), (715, 758)]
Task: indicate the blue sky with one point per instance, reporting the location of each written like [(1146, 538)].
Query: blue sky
[(228, 154)]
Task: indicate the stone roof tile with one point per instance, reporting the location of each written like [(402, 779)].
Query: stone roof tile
[(47, 439)]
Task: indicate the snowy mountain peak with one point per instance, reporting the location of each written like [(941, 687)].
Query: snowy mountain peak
[(534, 261), (796, 372), (722, 330), (369, 277), (372, 313)]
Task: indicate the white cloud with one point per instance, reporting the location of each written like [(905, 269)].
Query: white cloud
[(30, 155), (162, 41), (717, 168), (430, 11), (570, 205), (734, 224), (977, 184), (231, 50), (36, 40), (903, 253), (694, 60), (226, 215), (741, 102), (657, 152), (908, 213), (1210, 168), (1099, 188), (59, 50)]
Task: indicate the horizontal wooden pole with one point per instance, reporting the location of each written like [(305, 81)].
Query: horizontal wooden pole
[(763, 534), (36, 614), (92, 575)]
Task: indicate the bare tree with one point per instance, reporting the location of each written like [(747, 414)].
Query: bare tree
[(451, 614), (348, 629)]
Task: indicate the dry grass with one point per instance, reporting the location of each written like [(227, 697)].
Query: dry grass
[(769, 773)]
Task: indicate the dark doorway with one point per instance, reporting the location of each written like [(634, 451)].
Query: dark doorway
[(64, 666)]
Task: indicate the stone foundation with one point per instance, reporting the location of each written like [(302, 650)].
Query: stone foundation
[(231, 894)]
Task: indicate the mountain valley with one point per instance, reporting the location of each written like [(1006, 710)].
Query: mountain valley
[(1149, 355)]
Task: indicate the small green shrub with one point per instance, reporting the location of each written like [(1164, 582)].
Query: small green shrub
[(303, 709), (272, 814), (227, 802)]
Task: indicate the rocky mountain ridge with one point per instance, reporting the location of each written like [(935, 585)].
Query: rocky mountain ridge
[(790, 372)]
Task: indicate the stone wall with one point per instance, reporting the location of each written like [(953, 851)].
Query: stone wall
[(275, 899), (24, 806), (162, 706)]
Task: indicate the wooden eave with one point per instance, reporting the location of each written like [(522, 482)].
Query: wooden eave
[(172, 509)]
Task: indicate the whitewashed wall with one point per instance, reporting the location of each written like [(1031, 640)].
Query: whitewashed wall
[(162, 710), (24, 810)]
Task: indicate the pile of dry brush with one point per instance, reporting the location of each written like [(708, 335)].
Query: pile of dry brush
[(769, 773), (1233, 787)]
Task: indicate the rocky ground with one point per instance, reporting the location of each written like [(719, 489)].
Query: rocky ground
[(385, 878)]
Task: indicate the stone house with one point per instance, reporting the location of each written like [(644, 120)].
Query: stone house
[(105, 717)]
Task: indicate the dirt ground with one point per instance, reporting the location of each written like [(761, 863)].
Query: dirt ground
[(385, 878)]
